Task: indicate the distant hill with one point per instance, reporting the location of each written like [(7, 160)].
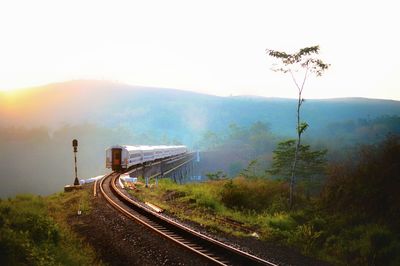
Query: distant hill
[(178, 114), (37, 126)]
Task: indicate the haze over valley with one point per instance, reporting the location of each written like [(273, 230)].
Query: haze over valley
[(38, 124)]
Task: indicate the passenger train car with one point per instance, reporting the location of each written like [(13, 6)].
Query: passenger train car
[(122, 157)]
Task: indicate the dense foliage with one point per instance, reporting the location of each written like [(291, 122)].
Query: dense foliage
[(30, 236), (366, 184), (27, 235), (353, 221), (363, 131)]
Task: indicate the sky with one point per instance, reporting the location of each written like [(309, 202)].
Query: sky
[(214, 47)]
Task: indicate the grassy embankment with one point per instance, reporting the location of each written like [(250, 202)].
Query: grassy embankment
[(204, 204), (34, 230), (353, 221)]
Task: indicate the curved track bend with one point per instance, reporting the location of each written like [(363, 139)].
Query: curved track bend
[(215, 251)]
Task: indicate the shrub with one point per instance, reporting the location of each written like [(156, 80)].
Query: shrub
[(366, 184), (254, 194), (370, 244), (29, 236), (282, 221), (306, 236)]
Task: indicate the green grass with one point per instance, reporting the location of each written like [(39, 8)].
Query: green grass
[(34, 230), (205, 204), (260, 206)]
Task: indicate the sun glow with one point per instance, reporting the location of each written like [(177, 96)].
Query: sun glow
[(208, 47)]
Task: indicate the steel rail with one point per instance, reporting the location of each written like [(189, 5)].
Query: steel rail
[(205, 247), (142, 221), (254, 259)]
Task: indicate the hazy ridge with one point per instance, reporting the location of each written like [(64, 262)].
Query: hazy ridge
[(179, 114), (37, 125)]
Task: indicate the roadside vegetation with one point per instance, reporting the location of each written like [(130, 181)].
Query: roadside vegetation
[(351, 219), (34, 230)]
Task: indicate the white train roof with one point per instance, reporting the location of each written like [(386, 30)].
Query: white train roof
[(145, 147)]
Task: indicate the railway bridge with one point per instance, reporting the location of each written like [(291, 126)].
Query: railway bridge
[(177, 168)]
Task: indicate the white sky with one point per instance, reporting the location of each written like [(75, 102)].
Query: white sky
[(214, 47)]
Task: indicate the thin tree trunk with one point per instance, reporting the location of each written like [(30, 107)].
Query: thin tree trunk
[(296, 154)]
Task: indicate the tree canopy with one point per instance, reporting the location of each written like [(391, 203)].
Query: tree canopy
[(305, 59)]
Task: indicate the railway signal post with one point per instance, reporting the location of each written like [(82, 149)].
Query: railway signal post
[(75, 145)]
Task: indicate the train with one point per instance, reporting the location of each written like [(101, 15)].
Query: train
[(120, 157)]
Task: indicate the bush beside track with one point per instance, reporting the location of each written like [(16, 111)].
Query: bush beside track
[(34, 230)]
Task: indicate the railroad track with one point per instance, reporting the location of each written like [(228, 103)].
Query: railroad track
[(215, 251)]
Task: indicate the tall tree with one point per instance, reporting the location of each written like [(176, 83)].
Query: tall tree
[(306, 61)]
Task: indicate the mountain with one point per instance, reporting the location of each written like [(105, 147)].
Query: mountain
[(37, 126), (180, 115)]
